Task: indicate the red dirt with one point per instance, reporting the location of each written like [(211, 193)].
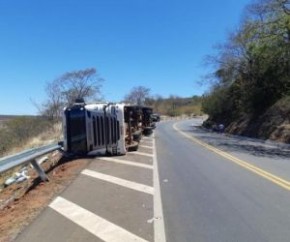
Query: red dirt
[(33, 195)]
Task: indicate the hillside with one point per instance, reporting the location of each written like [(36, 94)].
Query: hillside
[(175, 106), (5, 118), (272, 124)]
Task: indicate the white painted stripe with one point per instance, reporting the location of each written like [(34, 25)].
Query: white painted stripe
[(159, 228), (146, 143), (147, 137), (119, 181), (141, 153), (147, 140), (91, 222), (124, 162), (146, 146)]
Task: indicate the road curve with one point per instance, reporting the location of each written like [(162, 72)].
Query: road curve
[(208, 197)]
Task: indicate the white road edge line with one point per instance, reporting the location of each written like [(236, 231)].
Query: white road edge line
[(159, 228), (141, 153), (124, 162), (119, 181), (91, 222), (146, 146)]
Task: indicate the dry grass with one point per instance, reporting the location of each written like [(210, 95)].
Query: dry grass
[(49, 136)]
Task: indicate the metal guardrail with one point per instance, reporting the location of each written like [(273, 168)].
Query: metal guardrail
[(28, 156)]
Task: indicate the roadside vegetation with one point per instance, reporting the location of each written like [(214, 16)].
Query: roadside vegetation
[(176, 106), (250, 90), (25, 132), (171, 106)]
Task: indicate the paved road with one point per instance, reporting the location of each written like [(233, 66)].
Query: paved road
[(214, 187), (224, 194)]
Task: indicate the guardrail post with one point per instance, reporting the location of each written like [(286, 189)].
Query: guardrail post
[(39, 170)]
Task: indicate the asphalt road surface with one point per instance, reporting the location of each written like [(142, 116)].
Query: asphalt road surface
[(216, 187), (213, 187)]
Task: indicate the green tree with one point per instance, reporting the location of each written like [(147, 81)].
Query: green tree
[(253, 66)]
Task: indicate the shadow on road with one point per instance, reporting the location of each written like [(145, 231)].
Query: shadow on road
[(241, 144)]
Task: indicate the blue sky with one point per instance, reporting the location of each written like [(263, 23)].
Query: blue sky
[(155, 43)]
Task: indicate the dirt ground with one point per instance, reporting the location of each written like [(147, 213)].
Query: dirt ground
[(21, 203)]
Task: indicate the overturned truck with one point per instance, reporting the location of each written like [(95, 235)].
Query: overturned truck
[(113, 129)]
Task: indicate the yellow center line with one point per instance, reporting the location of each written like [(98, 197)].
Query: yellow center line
[(273, 178)]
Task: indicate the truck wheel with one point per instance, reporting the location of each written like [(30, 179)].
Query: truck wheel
[(147, 131), (133, 147), (137, 136)]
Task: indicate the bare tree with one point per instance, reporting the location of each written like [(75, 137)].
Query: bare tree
[(52, 108), (79, 84), (63, 91), (137, 95)]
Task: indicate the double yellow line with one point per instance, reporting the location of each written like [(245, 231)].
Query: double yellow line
[(275, 179)]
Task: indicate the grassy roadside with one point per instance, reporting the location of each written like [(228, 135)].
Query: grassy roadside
[(22, 133)]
